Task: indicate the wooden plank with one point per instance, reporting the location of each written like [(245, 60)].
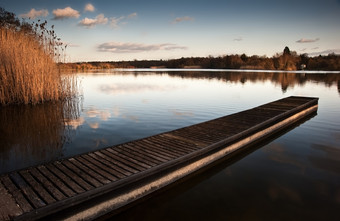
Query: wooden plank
[(223, 128), (16, 193), (168, 146), (198, 144), (111, 172), (73, 176), (178, 146), (91, 172), (121, 172), (67, 180), (144, 154), (37, 187), (133, 151), (135, 155), (36, 201), (139, 164), (8, 206), (173, 146), (106, 156), (123, 161), (154, 149), (81, 173), (202, 131), (56, 181), (180, 143), (105, 171), (194, 136), (55, 192), (162, 149), (155, 154)]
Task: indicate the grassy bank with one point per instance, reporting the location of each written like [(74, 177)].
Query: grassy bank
[(28, 70)]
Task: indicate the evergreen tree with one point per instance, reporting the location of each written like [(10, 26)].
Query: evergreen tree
[(286, 51)]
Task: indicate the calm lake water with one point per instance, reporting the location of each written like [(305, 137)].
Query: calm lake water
[(293, 177)]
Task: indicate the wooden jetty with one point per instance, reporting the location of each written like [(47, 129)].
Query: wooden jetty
[(103, 181)]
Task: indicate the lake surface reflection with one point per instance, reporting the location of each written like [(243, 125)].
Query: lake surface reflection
[(295, 176)]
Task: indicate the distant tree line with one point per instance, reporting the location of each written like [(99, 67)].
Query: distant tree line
[(288, 60)]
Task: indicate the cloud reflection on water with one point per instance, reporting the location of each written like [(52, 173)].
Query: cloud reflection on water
[(103, 114), (118, 112), (181, 114), (278, 153), (94, 125), (121, 88), (75, 123), (329, 160), (278, 192)]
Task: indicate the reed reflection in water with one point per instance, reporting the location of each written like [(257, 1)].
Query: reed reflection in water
[(35, 133)]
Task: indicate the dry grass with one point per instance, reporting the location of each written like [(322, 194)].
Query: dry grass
[(28, 72)]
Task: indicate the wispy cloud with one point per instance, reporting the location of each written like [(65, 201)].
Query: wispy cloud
[(67, 12), (122, 47), (132, 15), (115, 22), (89, 22), (35, 13), (304, 40), (325, 52), (238, 39), (181, 19), (89, 8)]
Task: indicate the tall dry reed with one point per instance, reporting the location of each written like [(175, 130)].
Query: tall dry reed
[(28, 70)]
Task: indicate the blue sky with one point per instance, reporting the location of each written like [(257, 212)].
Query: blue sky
[(104, 30)]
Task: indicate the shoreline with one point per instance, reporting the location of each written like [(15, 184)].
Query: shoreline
[(130, 69)]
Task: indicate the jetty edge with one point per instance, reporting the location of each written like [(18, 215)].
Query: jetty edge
[(90, 185)]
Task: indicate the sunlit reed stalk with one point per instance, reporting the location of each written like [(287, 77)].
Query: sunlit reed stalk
[(28, 70)]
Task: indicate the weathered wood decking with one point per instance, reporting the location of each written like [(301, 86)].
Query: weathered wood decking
[(129, 171)]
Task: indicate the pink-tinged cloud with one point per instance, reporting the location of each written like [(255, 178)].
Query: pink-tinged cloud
[(132, 15), (114, 22), (64, 13), (121, 47), (89, 8), (304, 40), (89, 22), (35, 13), (181, 19)]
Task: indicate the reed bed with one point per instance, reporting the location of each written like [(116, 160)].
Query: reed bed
[(28, 69)]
